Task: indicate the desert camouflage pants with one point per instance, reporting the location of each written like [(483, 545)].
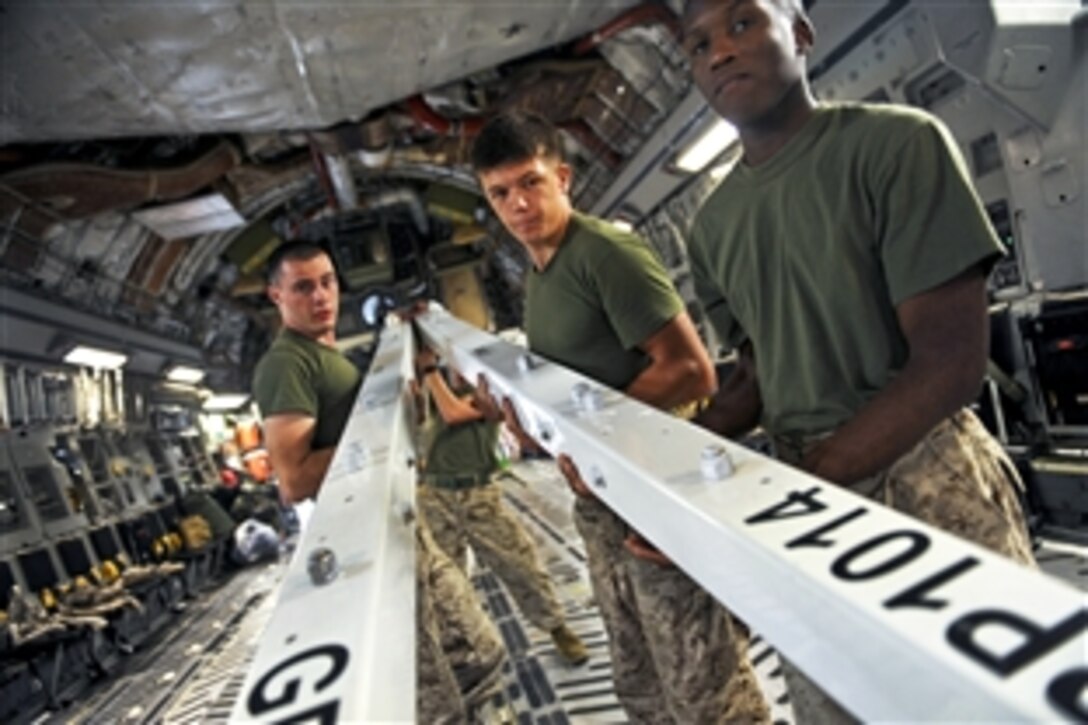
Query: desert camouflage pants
[(459, 651), (478, 517), (677, 655), (957, 479)]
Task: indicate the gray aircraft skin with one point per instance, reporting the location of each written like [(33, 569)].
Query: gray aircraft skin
[(152, 156)]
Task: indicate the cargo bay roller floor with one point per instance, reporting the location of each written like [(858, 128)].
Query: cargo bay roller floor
[(541, 687), (195, 671)]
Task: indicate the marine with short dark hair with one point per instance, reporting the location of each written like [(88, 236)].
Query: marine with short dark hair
[(463, 506), (599, 302), (305, 389)]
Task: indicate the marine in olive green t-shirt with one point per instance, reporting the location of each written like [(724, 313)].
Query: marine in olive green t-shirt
[(602, 294), (301, 375), (463, 449), (808, 255)]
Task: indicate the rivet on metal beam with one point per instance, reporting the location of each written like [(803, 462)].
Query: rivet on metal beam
[(322, 566), (715, 463)]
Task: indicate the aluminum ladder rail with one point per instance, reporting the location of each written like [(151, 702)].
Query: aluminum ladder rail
[(340, 644), (897, 620)]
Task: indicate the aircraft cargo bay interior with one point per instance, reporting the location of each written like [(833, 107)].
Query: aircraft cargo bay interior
[(555, 362)]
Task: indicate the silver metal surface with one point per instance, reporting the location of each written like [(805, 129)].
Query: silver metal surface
[(101, 69), (350, 639)]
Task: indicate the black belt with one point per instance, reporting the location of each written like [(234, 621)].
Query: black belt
[(458, 482)]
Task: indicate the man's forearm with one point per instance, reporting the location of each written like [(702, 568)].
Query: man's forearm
[(946, 330), (732, 413), (667, 386), (307, 476), (453, 409), (737, 406), (892, 423)]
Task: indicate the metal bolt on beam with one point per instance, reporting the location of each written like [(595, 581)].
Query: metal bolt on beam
[(715, 463), (322, 566), (587, 397), (405, 512)]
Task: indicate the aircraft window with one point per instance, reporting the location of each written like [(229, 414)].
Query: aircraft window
[(11, 516), (44, 493)]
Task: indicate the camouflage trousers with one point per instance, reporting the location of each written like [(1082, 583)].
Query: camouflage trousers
[(677, 654), (478, 517), (459, 652), (957, 479)]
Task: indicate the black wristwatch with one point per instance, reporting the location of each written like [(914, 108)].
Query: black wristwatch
[(424, 371)]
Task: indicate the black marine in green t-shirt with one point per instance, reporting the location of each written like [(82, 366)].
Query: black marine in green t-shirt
[(845, 255)]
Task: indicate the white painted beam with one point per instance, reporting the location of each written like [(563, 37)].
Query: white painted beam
[(897, 620), (345, 649)]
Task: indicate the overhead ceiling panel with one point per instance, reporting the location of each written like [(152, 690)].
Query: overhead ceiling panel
[(101, 69)]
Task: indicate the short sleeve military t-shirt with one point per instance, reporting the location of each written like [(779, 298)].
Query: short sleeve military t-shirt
[(464, 449), (808, 255), (300, 375), (602, 294)]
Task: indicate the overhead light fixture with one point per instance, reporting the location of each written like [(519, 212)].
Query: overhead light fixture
[(184, 374), (223, 402), (718, 171), (623, 225), (93, 357), (184, 219), (704, 149)]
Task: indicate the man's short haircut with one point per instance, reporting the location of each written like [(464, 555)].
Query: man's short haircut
[(296, 250), (512, 137)]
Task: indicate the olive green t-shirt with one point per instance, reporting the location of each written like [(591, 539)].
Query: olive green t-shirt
[(808, 255), (464, 449), (602, 294), (300, 375)]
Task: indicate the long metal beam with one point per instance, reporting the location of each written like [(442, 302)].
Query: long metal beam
[(897, 620), (340, 643)]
